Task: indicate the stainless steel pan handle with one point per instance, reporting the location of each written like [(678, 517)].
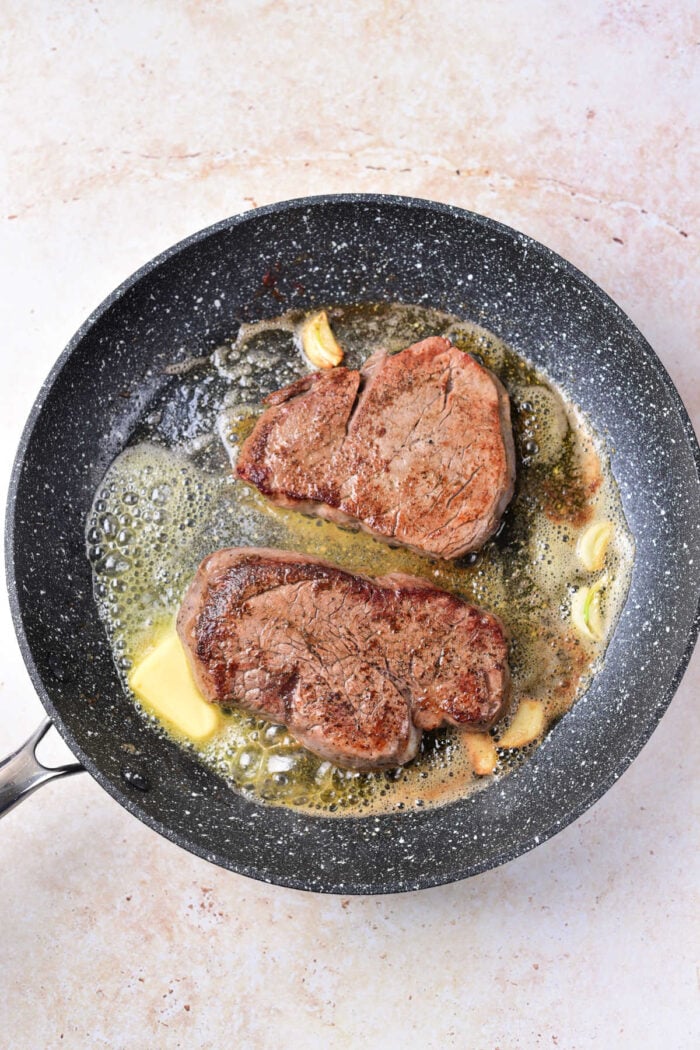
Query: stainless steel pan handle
[(22, 772)]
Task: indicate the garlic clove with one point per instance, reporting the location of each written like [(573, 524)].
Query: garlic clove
[(319, 344), (586, 614), (528, 724), (593, 543), (482, 753)]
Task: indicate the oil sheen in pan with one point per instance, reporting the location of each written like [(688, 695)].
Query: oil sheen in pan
[(170, 499)]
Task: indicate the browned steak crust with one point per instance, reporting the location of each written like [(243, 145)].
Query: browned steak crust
[(417, 448), (354, 667)]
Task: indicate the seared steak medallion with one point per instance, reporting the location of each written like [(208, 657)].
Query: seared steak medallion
[(355, 667), (416, 448)]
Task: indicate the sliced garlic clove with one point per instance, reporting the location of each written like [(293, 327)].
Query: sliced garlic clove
[(319, 344), (593, 543), (528, 724), (586, 614), (482, 753)]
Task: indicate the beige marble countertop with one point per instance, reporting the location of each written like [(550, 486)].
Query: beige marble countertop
[(128, 126)]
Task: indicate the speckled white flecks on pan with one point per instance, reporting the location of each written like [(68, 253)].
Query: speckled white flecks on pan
[(129, 129), (352, 249)]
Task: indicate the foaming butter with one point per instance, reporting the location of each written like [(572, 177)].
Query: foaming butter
[(170, 499)]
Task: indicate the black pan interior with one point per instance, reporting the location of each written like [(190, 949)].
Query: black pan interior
[(348, 249)]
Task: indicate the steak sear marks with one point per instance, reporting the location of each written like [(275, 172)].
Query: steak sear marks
[(416, 448), (355, 667)]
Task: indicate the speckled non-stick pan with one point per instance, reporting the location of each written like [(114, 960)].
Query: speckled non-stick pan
[(348, 249)]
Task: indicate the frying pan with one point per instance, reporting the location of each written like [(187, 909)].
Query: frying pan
[(346, 249)]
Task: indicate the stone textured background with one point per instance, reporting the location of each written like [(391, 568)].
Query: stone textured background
[(128, 126)]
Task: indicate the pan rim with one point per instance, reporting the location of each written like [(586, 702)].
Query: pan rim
[(514, 848)]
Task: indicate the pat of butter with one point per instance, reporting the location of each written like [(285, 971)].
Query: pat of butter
[(163, 683)]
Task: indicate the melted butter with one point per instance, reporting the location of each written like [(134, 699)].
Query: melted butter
[(170, 499)]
